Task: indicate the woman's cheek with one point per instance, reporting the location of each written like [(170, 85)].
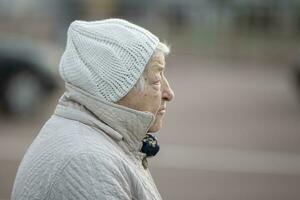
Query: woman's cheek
[(156, 93)]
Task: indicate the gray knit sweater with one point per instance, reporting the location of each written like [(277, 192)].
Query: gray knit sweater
[(88, 149)]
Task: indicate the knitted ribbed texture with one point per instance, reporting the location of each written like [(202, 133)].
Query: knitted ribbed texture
[(106, 58)]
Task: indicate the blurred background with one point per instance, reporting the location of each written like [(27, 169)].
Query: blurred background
[(233, 130)]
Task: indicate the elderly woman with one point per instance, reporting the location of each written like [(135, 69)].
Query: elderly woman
[(96, 144)]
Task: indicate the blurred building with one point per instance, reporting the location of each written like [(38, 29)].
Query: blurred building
[(49, 19)]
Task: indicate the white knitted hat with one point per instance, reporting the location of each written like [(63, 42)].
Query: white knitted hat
[(106, 58)]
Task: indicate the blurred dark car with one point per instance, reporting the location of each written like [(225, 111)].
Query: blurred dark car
[(27, 75)]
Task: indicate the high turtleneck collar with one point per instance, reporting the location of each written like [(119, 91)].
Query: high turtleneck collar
[(119, 122)]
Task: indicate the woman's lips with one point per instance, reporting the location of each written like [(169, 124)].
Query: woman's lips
[(162, 110)]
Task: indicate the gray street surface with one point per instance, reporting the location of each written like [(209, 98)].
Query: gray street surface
[(232, 133)]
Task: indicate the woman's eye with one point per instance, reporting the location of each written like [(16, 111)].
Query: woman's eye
[(156, 82)]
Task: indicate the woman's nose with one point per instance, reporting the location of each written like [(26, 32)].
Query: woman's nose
[(168, 93)]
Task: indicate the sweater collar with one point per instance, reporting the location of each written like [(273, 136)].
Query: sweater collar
[(120, 122)]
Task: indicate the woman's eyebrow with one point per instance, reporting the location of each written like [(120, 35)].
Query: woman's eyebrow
[(160, 67)]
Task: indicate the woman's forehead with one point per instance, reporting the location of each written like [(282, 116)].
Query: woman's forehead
[(158, 57)]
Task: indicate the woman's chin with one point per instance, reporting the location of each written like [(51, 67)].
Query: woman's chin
[(156, 125)]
